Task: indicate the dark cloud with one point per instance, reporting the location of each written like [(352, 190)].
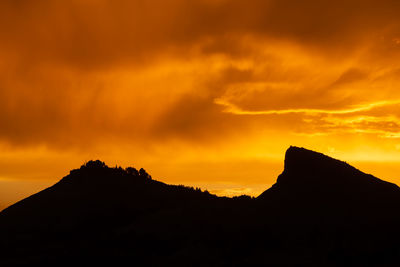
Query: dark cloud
[(64, 64), (95, 34), (350, 76)]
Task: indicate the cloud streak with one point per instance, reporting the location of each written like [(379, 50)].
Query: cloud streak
[(231, 108)]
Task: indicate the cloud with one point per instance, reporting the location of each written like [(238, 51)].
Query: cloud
[(231, 108), (230, 78), (100, 34)]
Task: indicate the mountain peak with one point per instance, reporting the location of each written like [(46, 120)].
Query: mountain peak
[(310, 168), (300, 160), (317, 174)]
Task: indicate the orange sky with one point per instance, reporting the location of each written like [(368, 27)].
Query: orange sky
[(207, 93)]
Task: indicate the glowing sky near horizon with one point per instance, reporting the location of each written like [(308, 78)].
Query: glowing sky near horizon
[(207, 93)]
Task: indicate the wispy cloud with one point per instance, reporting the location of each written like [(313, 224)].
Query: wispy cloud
[(234, 109)]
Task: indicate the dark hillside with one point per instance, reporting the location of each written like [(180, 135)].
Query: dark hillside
[(320, 212)]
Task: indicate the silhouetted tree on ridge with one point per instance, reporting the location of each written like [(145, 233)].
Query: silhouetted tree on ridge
[(144, 174), (132, 171)]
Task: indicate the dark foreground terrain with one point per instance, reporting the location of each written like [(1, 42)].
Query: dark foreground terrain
[(320, 212)]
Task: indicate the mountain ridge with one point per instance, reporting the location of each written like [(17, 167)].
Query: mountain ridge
[(321, 211)]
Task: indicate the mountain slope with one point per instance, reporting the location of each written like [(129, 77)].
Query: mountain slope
[(95, 190), (311, 177), (320, 212)]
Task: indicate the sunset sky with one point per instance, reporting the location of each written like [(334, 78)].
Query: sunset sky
[(206, 93)]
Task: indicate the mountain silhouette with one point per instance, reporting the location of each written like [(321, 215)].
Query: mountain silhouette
[(313, 179), (320, 212)]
